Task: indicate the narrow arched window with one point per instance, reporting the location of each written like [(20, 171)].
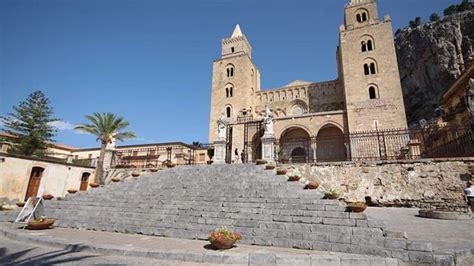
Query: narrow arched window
[(358, 17), (232, 49), (366, 69), (369, 45), (230, 71), (231, 93), (364, 46), (373, 92), (372, 68), (364, 17), (228, 111), (227, 92)]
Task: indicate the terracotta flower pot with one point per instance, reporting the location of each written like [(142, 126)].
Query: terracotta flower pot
[(154, 170), (270, 167), (72, 191), (294, 178), (115, 179), (170, 165), (282, 171), (93, 185), (20, 204), (48, 197), (357, 207), (222, 243), (40, 225), (312, 185), (135, 174), (260, 162)]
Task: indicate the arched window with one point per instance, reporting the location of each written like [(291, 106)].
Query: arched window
[(359, 18), (369, 45), (370, 68), (363, 45), (229, 92), (373, 93), (230, 71), (366, 69), (364, 17), (228, 111)]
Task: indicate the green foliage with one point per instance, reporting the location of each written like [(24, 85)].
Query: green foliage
[(463, 6), (107, 127), (30, 123), (210, 153), (434, 17)]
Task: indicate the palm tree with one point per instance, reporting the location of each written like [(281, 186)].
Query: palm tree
[(107, 128)]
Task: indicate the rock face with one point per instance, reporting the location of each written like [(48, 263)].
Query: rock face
[(424, 183), (430, 58)]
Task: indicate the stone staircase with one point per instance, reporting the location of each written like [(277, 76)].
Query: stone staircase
[(191, 201)]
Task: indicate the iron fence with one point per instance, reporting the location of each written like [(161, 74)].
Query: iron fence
[(447, 142)]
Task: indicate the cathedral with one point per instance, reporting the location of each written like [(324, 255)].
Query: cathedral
[(311, 120)]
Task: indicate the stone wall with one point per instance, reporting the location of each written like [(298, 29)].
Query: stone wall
[(420, 183)]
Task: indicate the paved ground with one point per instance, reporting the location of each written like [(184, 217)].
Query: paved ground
[(20, 253), (443, 234)]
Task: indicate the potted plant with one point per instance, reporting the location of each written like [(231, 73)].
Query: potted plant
[(282, 156), (93, 185), (331, 194), (223, 238), (357, 206), (154, 169), (270, 166), (294, 178), (260, 162), (72, 191), (282, 171), (170, 164), (47, 196), (40, 224), (135, 174), (312, 185), (115, 179), (20, 204)]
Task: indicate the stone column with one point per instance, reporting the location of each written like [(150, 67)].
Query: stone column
[(314, 148), (268, 148), (219, 151)]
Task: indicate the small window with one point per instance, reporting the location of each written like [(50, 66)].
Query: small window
[(364, 46), (232, 50), (228, 111), (359, 19), (366, 69), (372, 68), (369, 45), (229, 92), (135, 153), (373, 92), (230, 71), (364, 17)]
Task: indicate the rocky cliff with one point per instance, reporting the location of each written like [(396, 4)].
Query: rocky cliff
[(430, 58)]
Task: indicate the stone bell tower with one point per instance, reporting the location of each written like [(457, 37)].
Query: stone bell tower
[(369, 69), (235, 79)]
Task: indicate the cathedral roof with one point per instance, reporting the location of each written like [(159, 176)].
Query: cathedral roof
[(237, 32)]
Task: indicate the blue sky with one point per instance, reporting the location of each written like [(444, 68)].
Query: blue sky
[(150, 61)]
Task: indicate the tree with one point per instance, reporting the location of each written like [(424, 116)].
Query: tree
[(434, 17), (30, 123), (107, 127), (418, 21), (465, 5), (452, 9)]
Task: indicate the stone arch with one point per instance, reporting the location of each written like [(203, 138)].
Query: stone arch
[(373, 91), (229, 90), (228, 111), (362, 15), (295, 142), (370, 66), (330, 144), (367, 43)]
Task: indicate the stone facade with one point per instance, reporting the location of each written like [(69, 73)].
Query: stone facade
[(366, 96), (422, 183)]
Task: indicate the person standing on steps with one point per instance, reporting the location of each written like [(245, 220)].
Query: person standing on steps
[(236, 156), (242, 156), (469, 191)]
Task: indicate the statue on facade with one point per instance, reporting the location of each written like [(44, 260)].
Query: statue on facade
[(268, 123), (221, 127), (470, 95)]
